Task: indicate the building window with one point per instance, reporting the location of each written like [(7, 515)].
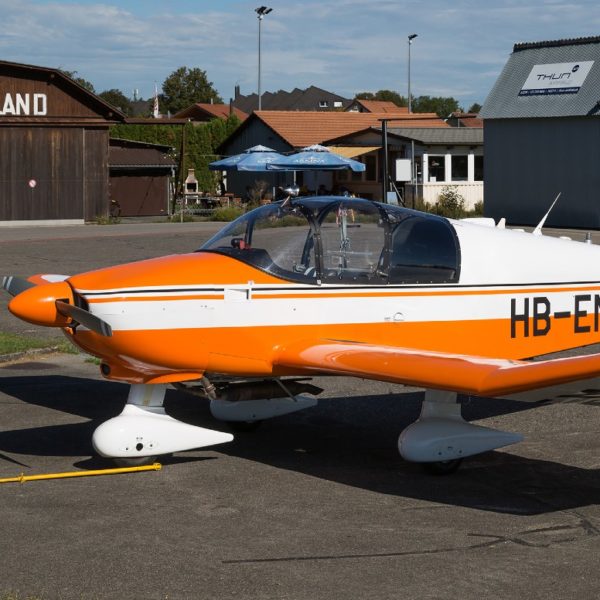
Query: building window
[(460, 168), (437, 168), (323, 103), (337, 104), (479, 168)]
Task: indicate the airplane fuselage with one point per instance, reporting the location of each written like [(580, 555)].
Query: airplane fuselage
[(209, 312), (502, 293)]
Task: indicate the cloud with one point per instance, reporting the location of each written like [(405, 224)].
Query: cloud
[(344, 46)]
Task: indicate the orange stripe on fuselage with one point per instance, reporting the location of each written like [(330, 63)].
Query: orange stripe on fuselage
[(248, 351)]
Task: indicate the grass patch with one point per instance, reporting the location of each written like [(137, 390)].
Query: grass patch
[(106, 220), (11, 343)]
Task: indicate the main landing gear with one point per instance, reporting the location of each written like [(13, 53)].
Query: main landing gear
[(441, 438)]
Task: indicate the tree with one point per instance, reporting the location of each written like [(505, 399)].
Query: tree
[(185, 87), (475, 108), (117, 99), (383, 95), (80, 80), (438, 104), (390, 96)]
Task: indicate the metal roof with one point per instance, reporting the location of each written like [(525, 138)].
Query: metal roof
[(504, 101), (127, 154), (451, 135)]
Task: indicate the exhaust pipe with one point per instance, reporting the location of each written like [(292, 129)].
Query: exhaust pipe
[(246, 391)]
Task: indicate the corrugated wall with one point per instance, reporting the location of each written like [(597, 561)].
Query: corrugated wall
[(528, 161)]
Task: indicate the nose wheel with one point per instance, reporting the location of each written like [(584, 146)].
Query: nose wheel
[(139, 461)]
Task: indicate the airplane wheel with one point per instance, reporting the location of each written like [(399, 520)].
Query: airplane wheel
[(442, 467), (244, 426), (140, 461)]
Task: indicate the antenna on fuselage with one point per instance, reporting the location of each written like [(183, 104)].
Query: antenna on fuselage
[(538, 229)]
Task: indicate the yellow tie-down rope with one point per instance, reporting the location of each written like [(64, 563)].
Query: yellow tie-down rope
[(22, 478)]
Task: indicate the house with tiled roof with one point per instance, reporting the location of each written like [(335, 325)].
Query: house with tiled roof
[(542, 135), (312, 98), (462, 119), (204, 111), (288, 131), (377, 106)]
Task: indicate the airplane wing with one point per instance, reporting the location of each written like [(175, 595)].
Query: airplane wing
[(465, 374)]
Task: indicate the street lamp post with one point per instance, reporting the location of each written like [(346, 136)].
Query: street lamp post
[(411, 37), (261, 11)]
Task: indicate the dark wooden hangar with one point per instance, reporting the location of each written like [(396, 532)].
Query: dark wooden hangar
[(54, 147)]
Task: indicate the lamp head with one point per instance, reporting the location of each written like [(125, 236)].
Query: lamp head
[(261, 11), (411, 37)]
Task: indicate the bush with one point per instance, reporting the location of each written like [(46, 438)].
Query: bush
[(477, 209), (226, 213), (450, 203)]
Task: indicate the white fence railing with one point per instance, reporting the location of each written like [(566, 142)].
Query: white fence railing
[(472, 192)]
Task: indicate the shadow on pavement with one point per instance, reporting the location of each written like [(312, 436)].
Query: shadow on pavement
[(352, 442)]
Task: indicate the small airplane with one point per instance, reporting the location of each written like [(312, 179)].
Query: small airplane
[(329, 286)]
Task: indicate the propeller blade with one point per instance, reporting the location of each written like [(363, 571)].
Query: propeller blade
[(15, 285), (84, 317)]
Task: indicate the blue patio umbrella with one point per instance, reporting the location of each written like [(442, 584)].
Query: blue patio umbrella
[(256, 158), (314, 158)]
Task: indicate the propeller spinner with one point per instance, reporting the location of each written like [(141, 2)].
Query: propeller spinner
[(51, 305)]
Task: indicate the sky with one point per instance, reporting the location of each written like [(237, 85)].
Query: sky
[(343, 46)]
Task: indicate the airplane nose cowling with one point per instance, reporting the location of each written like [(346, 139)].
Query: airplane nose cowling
[(37, 305)]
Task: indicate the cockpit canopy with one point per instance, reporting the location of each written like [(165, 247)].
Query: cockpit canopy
[(333, 239)]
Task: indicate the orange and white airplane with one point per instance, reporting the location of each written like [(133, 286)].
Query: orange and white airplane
[(329, 286)]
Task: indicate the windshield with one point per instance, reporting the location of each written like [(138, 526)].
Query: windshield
[(332, 239), (275, 238)]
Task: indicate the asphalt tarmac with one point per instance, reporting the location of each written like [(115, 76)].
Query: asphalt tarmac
[(317, 504)]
